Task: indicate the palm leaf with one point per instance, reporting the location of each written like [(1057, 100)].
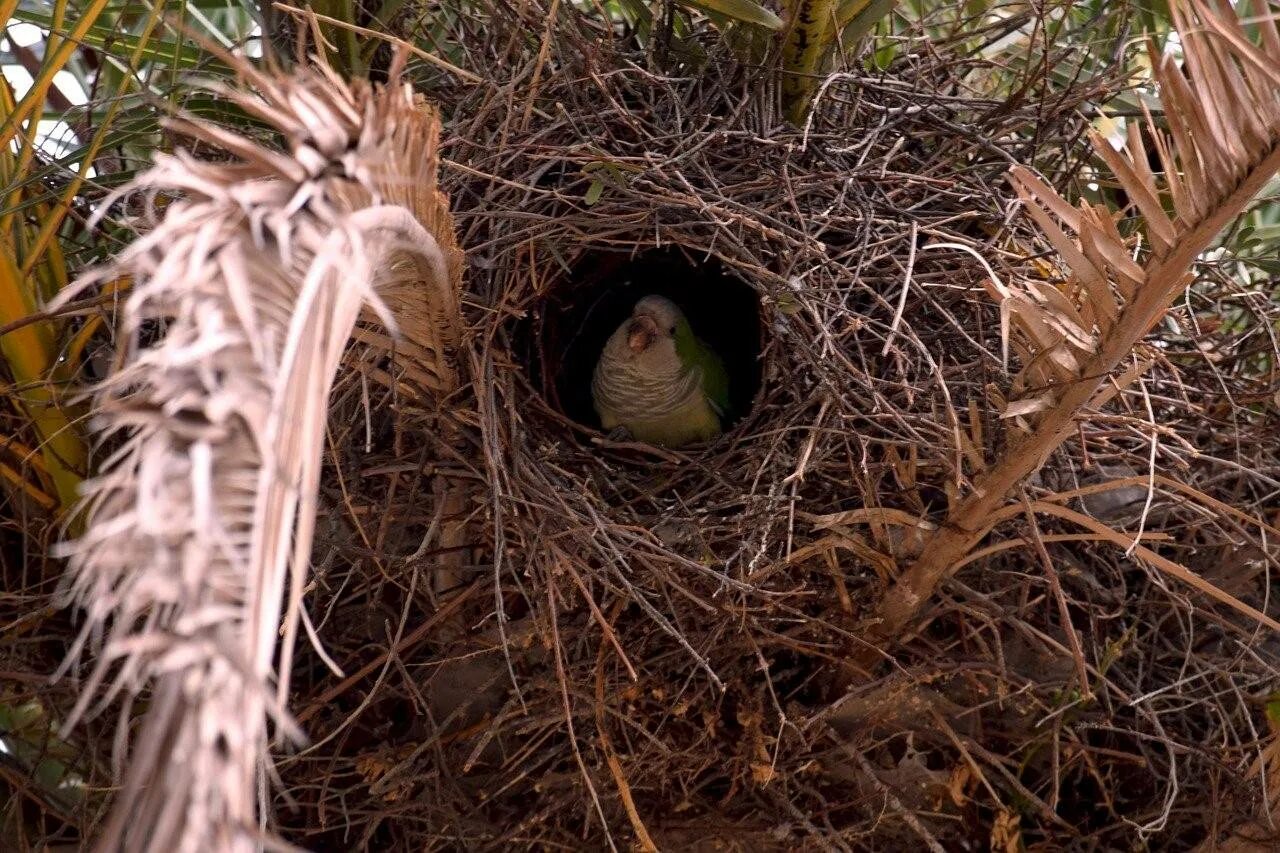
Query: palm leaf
[(814, 27), (744, 11), (1219, 145), (199, 528)]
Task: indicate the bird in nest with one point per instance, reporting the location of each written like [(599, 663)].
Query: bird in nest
[(656, 381)]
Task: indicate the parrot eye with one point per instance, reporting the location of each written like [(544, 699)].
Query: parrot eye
[(671, 331)]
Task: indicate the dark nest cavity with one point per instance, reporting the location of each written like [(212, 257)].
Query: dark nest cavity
[(567, 331)]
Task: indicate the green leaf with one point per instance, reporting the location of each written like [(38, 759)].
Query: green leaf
[(1273, 709), (108, 38), (594, 192), (856, 18), (744, 11), (640, 16), (787, 304)]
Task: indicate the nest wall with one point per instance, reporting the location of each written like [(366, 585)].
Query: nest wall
[(641, 646)]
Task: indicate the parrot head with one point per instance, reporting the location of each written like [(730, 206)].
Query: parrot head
[(649, 339)]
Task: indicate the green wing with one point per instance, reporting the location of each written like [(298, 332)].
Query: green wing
[(695, 353), (715, 379)]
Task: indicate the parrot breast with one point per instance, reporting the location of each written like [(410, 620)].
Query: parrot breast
[(667, 406)]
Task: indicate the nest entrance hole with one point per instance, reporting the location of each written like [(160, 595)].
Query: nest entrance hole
[(580, 312)]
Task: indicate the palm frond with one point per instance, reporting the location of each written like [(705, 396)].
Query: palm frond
[(813, 30), (1218, 145), (253, 275)]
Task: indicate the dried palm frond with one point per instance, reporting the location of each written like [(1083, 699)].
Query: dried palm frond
[(247, 287), (1219, 145)]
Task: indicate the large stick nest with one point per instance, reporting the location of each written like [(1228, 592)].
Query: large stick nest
[(552, 640)]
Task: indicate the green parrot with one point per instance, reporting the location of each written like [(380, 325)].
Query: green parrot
[(658, 381)]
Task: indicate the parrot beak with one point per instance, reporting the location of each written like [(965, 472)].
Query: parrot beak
[(641, 333)]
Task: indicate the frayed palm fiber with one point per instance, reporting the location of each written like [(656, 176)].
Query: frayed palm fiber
[(191, 570), (549, 641)]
